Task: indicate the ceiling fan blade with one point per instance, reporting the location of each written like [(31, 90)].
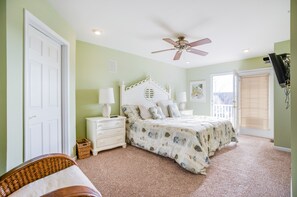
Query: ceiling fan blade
[(200, 42), (198, 52), (177, 55), (163, 50), (170, 41)]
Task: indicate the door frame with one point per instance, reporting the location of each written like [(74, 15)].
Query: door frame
[(31, 20), (255, 72)]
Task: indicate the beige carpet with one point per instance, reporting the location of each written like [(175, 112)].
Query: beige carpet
[(250, 168)]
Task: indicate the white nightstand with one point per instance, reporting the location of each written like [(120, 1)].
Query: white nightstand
[(106, 133), (187, 112)]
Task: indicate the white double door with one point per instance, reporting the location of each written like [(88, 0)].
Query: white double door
[(228, 94), (43, 133)]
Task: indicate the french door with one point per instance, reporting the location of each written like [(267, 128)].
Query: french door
[(246, 99), (224, 97), (256, 109)]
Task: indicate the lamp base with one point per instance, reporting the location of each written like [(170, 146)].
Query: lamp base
[(106, 110), (182, 106)]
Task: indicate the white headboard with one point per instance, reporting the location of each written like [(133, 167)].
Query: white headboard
[(146, 92)]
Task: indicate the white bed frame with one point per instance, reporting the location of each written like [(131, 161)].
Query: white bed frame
[(146, 92)]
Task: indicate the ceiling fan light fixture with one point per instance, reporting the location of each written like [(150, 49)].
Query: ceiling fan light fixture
[(182, 45)]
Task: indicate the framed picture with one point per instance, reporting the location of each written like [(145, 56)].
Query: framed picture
[(198, 91)]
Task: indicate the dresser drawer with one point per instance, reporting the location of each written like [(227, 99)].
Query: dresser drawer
[(110, 132), (110, 124), (110, 141)]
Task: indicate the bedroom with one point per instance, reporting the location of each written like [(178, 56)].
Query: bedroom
[(86, 76)]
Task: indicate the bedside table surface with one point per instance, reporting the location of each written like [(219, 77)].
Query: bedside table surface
[(103, 118), (186, 112)]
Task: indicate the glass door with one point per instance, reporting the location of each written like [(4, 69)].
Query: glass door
[(256, 105), (224, 97)]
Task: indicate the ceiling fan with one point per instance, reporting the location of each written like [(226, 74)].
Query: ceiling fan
[(182, 45)]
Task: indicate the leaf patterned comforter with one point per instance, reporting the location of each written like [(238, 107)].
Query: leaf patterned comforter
[(190, 141)]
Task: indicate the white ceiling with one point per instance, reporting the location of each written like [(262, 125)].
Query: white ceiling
[(138, 26)]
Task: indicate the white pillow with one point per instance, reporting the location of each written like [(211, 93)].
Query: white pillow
[(144, 112), (164, 106)]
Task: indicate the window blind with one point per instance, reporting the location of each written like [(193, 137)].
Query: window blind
[(254, 102)]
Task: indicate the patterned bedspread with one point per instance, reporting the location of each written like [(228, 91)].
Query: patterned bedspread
[(190, 141)]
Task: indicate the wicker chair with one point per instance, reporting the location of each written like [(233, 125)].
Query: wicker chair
[(33, 170), (73, 191)]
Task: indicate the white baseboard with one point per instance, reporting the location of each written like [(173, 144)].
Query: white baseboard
[(257, 133), (282, 149)]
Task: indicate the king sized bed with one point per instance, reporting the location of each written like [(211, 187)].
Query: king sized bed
[(189, 140)]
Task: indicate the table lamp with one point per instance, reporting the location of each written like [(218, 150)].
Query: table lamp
[(181, 98), (106, 98)]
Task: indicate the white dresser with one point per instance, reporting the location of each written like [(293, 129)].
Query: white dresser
[(106, 133)]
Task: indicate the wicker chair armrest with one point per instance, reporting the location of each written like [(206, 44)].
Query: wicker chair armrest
[(73, 191), (33, 170)]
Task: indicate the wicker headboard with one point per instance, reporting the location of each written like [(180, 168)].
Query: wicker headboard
[(146, 92)]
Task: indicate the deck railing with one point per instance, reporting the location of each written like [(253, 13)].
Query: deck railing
[(223, 111)]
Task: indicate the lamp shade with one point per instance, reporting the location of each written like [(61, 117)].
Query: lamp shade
[(181, 97), (106, 96)]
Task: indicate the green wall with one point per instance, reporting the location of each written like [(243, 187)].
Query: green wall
[(92, 73), (15, 64), (2, 87), (282, 116), (294, 95)]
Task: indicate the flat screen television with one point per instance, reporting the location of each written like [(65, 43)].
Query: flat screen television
[(281, 68)]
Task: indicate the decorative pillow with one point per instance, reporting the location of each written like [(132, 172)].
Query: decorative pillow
[(144, 112), (156, 112), (164, 106), (131, 111), (173, 111)]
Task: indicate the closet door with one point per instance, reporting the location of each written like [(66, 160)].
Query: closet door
[(42, 96)]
